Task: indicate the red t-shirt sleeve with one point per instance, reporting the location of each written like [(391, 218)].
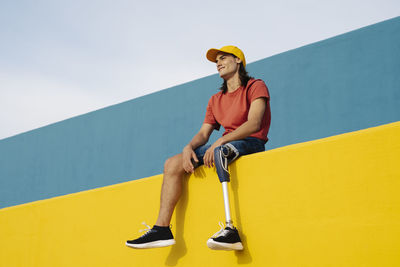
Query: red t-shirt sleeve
[(210, 119), (257, 89)]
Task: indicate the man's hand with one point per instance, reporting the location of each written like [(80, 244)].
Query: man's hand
[(187, 155), (198, 140), (209, 155)]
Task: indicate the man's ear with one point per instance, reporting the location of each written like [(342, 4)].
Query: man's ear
[(238, 60)]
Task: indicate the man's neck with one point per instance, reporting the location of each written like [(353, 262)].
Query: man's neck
[(233, 83)]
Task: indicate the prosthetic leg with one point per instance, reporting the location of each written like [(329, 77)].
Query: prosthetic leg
[(221, 156), (228, 238)]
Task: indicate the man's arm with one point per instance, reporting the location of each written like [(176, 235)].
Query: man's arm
[(252, 125), (199, 139)]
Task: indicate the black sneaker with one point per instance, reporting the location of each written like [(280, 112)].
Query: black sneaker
[(155, 237), (225, 239)]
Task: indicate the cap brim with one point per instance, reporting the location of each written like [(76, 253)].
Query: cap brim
[(212, 54)]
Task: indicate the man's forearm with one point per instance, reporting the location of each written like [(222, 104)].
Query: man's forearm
[(243, 131), (197, 141)]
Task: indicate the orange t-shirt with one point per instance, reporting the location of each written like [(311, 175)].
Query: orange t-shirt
[(231, 109)]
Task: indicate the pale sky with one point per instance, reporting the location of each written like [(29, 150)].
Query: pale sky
[(60, 59)]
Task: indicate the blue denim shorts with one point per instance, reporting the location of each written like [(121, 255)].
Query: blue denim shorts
[(242, 147)]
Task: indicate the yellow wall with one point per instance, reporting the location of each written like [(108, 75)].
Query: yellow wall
[(329, 202)]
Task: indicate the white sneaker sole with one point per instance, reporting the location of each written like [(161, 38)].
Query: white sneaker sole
[(154, 244), (224, 246)]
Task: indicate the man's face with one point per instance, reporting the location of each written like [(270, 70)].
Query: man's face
[(227, 65)]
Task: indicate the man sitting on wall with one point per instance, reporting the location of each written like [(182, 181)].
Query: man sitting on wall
[(242, 108)]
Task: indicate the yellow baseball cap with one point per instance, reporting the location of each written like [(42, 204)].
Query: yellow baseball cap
[(212, 53)]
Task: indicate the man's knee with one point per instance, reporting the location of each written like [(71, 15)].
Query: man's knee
[(173, 165)]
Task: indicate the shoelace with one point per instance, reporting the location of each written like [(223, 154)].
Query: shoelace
[(148, 229), (145, 230), (222, 231)]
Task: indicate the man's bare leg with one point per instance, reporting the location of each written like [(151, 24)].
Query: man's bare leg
[(160, 235), (171, 189)]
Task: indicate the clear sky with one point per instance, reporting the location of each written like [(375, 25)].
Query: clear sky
[(59, 59)]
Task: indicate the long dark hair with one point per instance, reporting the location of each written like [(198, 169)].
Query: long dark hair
[(243, 76)]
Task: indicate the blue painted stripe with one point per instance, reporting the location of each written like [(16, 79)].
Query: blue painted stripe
[(342, 84)]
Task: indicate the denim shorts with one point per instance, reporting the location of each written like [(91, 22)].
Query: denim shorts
[(242, 147)]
